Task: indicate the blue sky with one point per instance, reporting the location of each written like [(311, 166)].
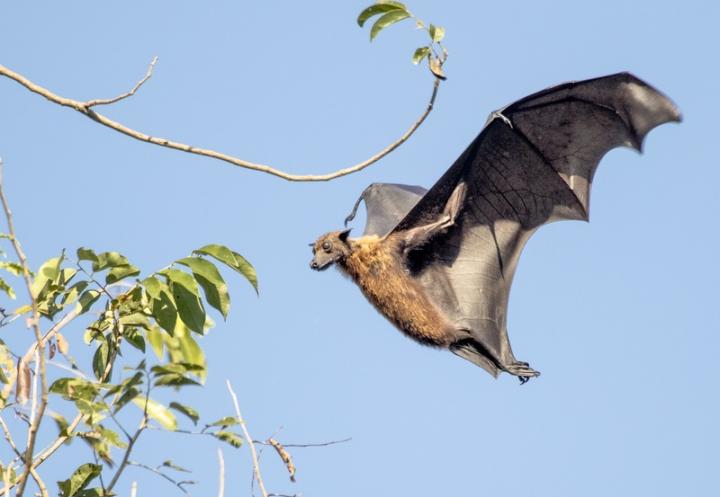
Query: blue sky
[(620, 315)]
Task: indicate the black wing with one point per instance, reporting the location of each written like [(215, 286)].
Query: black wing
[(386, 204), (533, 163)]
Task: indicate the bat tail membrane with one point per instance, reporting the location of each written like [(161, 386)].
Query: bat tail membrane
[(492, 361)]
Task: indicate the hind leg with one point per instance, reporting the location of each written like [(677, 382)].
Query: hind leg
[(522, 370)]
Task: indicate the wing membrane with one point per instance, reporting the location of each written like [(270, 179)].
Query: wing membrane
[(533, 163)]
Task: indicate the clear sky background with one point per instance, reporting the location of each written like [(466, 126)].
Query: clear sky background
[(620, 315)]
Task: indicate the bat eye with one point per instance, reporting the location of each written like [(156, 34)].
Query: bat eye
[(327, 246)]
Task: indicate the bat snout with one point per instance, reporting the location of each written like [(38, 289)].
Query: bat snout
[(320, 264)]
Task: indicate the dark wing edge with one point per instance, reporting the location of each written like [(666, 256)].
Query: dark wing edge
[(386, 204), (621, 109)]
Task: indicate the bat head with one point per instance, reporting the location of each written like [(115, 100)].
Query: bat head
[(329, 249)]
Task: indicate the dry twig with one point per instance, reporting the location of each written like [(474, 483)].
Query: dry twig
[(33, 473), (85, 108), (221, 477), (34, 323), (248, 438)]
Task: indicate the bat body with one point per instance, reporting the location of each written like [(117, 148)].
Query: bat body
[(439, 263)]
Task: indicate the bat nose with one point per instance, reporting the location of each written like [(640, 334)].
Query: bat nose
[(314, 265)]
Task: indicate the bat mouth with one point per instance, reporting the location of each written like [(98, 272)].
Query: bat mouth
[(320, 266)]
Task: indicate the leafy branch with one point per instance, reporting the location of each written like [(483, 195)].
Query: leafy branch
[(389, 13), (394, 12)]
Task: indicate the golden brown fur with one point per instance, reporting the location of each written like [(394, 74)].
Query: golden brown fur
[(375, 264)]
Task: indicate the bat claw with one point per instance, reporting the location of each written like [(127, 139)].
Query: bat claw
[(523, 371)]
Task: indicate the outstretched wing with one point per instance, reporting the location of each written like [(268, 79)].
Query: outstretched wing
[(386, 205), (533, 163)]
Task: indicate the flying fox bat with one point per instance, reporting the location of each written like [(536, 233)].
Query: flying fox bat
[(439, 263)]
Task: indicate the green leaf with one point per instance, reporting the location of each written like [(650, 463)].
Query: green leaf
[(61, 422), (212, 283), (120, 272), (155, 338), (80, 478), (387, 20), (163, 308), (75, 388), (23, 309), (100, 359), (187, 411), (229, 437), (247, 270), (226, 421), (109, 259), (87, 299), (7, 289), (128, 395), (231, 259), (86, 254), (111, 437), (420, 54), (72, 293), (48, 272), (135, 338), (378, 8), (12, 267), (136, 319), (12, 475), (437, 33), (94, 411), (186, 294), (153, 287), (191, 352), (158, 412), (175, 380), (94, 492)]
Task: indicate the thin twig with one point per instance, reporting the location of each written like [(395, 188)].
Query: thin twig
[(322, 444), (133, 440), (241, 420), (85, 109), (35, 324), (130, 93), (33, 473), (221, 476), (66, 319), (178, 484)]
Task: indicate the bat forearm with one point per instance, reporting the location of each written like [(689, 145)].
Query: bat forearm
[(420, 235)]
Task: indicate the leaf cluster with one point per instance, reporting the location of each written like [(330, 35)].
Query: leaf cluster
[(387, 13)]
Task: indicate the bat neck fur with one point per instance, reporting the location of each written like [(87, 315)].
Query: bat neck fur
[(376, 265)]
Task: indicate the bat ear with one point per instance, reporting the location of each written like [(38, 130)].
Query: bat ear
[(344, 235)]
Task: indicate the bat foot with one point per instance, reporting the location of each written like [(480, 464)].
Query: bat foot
[(523, 371)]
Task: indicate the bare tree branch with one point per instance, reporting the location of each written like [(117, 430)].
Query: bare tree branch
[(133, 440), (178, 484), (108, 101), (33, 473), (221, 476), (321, 444), (35, 325), (248, 438), (85, 108)]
